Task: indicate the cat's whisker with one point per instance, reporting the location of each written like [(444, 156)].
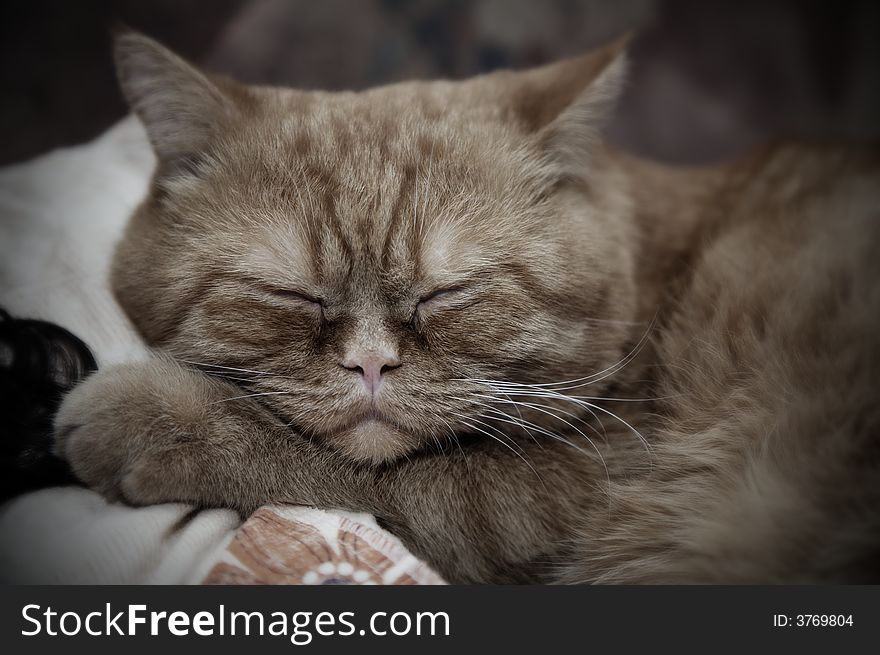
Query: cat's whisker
[(437, 442), (524, 424), (223, 376), (545, 393), (519, 414), (457, 442), (210, 367), (466, 421), (608, 321), (638, 434), (546, 409), (569, 384), (588, 406), (625, 400), (502, 434), (578, 382), (477, 420), (528, 426), (521, 421), (251, 395), (491, 408), (548, 394), (206, 365)]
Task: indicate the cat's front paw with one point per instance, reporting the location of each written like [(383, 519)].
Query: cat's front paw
[(93, 433), (112, 430)]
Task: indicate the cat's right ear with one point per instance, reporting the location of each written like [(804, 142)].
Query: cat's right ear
[(179, 105), (564, 104)]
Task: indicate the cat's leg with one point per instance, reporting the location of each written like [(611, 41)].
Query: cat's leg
[(158, 432)]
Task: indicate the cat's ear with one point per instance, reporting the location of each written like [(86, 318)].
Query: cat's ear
[(179, 105), (566, 104)]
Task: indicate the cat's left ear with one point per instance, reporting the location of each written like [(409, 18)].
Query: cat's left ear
[(180, 107), (566, 104)]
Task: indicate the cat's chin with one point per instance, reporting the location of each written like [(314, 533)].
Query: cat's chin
[(373, 441)]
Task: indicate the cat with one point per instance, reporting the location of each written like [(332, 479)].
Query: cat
[(533, 357)]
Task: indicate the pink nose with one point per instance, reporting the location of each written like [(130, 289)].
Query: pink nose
[(372, 367)]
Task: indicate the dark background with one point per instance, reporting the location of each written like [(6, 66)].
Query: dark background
[(708, 78)]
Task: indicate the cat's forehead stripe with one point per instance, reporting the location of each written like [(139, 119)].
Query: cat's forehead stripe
[(398, 195)]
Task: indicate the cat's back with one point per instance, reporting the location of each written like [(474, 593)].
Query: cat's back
[(768, 456), (788, 236), (773, 348), (785, 252), (774, 260)]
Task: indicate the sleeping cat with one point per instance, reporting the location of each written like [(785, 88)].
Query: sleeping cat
[(532, 357)]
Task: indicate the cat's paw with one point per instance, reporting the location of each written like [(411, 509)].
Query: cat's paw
[(109, 430), (156, 432)]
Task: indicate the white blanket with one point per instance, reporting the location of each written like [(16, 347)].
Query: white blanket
[(60, 216)]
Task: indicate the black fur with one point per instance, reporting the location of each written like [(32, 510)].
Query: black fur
[(39, 362)]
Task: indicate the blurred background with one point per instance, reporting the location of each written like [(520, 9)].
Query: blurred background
[(708, 78)]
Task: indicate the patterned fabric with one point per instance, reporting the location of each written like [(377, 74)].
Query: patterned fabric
[(299, 545)]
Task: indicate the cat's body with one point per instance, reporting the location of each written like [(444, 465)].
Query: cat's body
[(766, 446), (693, 353)]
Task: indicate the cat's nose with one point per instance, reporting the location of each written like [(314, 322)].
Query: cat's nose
[(372, 367)]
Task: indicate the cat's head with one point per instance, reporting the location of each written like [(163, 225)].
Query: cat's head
[(370, 261)]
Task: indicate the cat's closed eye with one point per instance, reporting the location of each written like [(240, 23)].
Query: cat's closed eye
[(437, 295), (297, 296)]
